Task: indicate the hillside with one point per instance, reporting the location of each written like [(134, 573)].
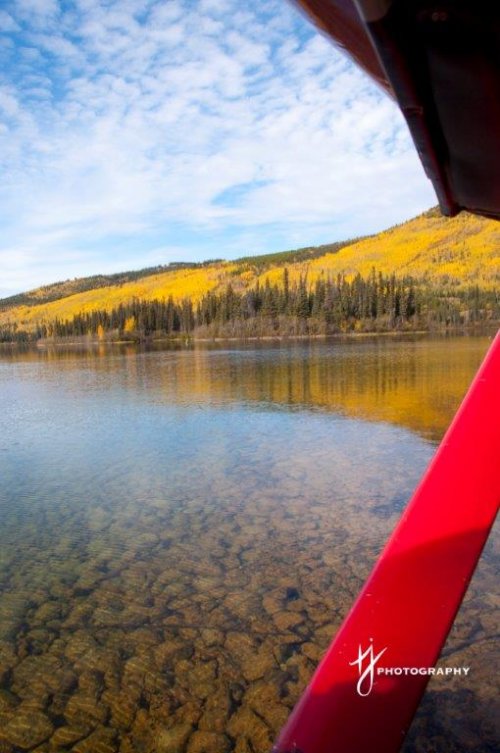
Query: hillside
[(440, 252), (65, 288), (460, 251)]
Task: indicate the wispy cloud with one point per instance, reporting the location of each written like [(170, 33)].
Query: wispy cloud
[(132, 126)]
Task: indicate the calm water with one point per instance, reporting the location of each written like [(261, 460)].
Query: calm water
[(183, 530)]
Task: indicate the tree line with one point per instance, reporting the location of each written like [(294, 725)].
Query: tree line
[(329, 306)]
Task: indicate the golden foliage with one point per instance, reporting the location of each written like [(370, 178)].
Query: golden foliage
[(184, 283), (459, 251), (130, 324), (463, 250)]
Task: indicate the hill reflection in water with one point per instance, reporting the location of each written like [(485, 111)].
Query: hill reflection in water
[(411, 381)]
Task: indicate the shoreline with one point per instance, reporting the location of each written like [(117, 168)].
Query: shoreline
[(484, 330)]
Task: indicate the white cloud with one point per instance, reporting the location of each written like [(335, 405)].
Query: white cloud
[(124, 120), (7, 23)]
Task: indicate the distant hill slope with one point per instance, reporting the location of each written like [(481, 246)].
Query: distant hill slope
[(65, 288), (454, 252), (461, 251)]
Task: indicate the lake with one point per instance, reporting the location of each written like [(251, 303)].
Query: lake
[(184, 527)]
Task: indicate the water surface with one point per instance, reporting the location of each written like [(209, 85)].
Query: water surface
[(183, 529)]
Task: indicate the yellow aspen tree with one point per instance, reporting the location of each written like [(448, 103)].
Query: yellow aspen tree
[(130, 324)]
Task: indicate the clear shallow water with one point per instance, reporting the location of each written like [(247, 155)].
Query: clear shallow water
[(183, 529)]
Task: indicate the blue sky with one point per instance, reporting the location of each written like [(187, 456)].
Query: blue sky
[(136, 132)]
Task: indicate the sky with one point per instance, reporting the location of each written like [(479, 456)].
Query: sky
[(140, 132)]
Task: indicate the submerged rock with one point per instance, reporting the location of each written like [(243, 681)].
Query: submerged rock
[(100, 741), (85, 709), (286, 620), (123, 708), (264, 699), (63, 737), (216, 711), (173, 740), (247, 725), (208, 742), (27, 729)]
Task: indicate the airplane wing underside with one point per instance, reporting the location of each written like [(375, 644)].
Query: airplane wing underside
[(440, 61)]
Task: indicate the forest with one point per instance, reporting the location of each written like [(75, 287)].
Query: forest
[(375, 303)]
